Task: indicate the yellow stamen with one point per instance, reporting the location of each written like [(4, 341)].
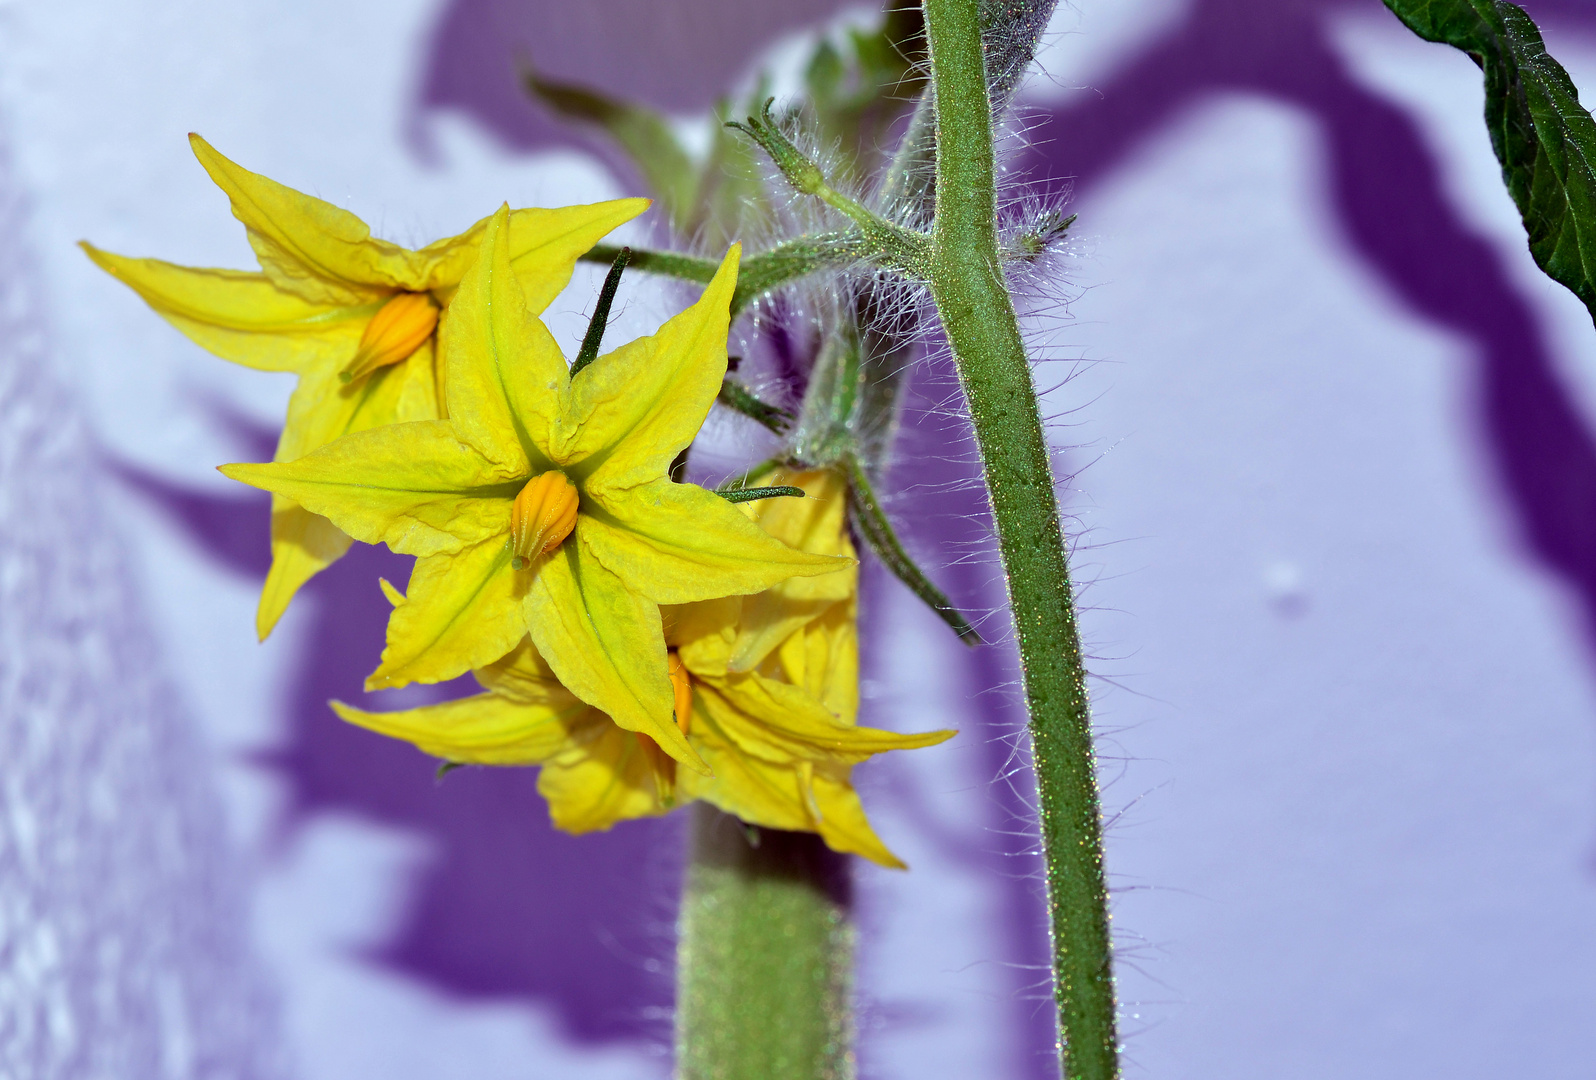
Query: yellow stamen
[(397, 330), (542, 517), (682, 689)]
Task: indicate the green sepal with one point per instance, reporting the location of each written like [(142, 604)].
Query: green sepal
[(738, 398), (749, 494), (601, 312), (872, 525)]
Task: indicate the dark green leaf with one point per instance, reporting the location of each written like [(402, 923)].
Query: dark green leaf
[(1544, 138)]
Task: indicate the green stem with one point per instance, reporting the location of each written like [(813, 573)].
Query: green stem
[(761, 272), (764, 955), (978, 316)]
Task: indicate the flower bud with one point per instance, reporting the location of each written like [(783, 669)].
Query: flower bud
[(681, 689), (397, 330), (542, 517)]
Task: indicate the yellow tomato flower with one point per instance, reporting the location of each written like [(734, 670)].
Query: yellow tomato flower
[(780, 733), (484, 499), (353, 316)]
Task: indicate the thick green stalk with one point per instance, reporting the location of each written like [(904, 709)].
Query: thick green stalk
[(978, 316), (764, 956)]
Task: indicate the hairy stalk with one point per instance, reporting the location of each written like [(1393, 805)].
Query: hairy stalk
[(764, 956), (761, 272), (978, 316)]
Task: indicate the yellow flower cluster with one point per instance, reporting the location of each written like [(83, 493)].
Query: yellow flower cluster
[(621, 624)]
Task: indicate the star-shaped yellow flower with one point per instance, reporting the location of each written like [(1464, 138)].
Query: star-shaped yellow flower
[(543, 505), (766, 691), (353, 316)]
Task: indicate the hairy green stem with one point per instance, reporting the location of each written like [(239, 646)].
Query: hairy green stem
[(764, 955), (760, 272), (978, 316)]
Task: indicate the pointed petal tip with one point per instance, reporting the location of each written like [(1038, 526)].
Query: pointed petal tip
[(241, 471), (265, 623), (349, 714)]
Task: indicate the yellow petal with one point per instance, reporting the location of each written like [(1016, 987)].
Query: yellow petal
[(631, 411), (544, 247), (390, 592), (303, 544), (415, 487), (506, 378), (799, 798), (843, 824), (780, 722), (605, 643), (823, 658), (522, 675), (608, 779), (461, 611), (239, 316), (484, 729), (545, 244), (677, 543), (306, 246), (704, 632), (816, 524), (323, 408), (757, 791)]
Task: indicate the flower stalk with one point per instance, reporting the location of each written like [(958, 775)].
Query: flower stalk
[(764, 956), (977, 312)]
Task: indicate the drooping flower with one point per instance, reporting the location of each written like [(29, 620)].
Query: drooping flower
[(486, 500), (766, 690), (354, 317)]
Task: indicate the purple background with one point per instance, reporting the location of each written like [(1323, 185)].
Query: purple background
[(1331, 481)]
